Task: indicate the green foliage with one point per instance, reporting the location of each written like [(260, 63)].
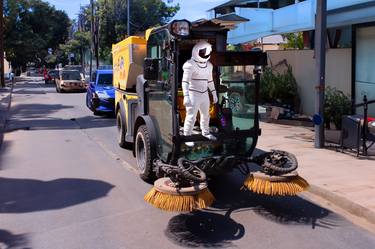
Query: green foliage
[(144, 14), (231, 47), (295, 40), (50, 60), (31, 27), (279, 88), (77, 45), (336, 105)]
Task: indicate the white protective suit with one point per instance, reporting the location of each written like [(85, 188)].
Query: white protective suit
[(197, 80)]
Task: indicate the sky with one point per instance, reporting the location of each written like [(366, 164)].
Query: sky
[(189, 9)]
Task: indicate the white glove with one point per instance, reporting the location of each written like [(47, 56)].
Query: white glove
[(187, 101), (214, 97)]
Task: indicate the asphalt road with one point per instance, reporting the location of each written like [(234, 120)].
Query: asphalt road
[(64, 183)]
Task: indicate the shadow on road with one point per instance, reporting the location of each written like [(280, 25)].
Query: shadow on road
[(39, 117), (30, 111), (104, 120), (203, 229), (4, 147), (27, 195), (9, 240), (288, 210), (29, 92)]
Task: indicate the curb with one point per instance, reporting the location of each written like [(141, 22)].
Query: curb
[(344, 203), (6, 113)]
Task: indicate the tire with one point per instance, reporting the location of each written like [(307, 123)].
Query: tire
[(143, 154), (121, 129), (88, 103)]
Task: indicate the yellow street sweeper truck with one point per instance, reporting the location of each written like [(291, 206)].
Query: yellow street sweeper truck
[(150, 114)]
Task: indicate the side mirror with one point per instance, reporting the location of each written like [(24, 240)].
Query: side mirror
[(151, 69)]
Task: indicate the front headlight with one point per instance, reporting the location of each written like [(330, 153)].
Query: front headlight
[(102, 95)]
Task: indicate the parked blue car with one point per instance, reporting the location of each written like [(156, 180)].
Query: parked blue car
[(100, 97)]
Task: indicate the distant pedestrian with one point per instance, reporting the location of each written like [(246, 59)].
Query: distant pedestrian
[(47, 77)]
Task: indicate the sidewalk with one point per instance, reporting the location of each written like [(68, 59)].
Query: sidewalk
[(5, 99), (341, 178)]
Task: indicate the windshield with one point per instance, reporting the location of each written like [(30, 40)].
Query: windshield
[(236, 97), (105, 79), (235, 113), (71, 75)]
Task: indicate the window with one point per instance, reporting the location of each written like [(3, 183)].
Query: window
[(71, 75), (105, 79)]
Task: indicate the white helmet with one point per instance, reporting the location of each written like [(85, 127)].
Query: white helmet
[(202, 51)]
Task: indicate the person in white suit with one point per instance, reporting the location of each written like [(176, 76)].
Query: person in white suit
[(197, 80)]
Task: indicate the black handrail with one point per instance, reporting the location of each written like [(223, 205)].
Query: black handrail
[(365, 104)]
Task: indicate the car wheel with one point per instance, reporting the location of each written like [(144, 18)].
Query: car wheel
[(143, 154), (121, 131), (87, 102)]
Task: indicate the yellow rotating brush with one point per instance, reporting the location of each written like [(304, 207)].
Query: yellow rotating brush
[(288, 184), (166, 196), (278, 177)]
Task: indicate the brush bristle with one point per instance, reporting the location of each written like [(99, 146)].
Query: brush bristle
[(292, 186), (179, 203)]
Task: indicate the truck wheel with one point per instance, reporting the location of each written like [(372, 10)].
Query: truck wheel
[(121, 128), (143, 154)]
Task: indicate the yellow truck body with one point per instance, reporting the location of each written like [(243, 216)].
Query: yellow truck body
[(128, 56)]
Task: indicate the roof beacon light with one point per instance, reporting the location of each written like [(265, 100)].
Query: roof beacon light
[(180, 28)]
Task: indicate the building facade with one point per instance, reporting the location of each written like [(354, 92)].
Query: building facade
[(351, 31)]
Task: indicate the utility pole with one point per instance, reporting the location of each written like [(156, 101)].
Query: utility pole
[(128, 20), (96, 38), (2, 80), (91, 34), (320, 63)]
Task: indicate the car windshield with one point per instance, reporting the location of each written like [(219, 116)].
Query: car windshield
[(71, 75), (105, 79)]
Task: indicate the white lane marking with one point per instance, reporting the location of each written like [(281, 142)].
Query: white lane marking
[(107, 150), (124, 163)]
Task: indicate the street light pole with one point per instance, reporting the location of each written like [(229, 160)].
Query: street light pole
[(320, 63), (128, 14), (2, 80)]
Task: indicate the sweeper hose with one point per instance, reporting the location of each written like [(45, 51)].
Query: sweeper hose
[(279, 162), (190, 171)]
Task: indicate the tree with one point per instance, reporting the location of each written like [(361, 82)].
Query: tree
[(31, 28), (113, 18), (295, 40), (77, 45), (110, 20)]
